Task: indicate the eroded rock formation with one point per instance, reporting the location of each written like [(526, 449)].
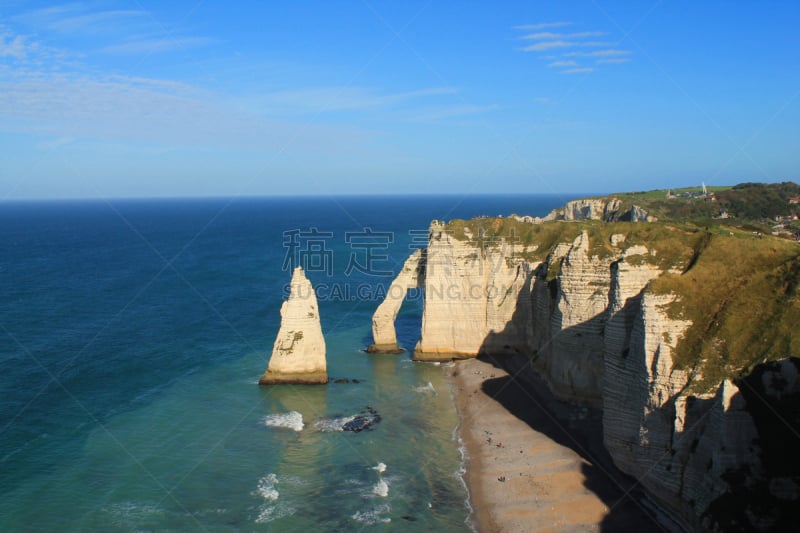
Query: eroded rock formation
[(383, 331), (596, 330), (298, 355)]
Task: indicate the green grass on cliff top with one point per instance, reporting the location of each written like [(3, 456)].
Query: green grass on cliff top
[(745, 201), (738, 290)]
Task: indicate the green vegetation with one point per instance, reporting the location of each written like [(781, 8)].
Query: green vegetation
[(491, 232), (674, 250), (741, 296), (743, 202)]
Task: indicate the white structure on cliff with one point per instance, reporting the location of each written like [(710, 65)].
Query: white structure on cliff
[(299, 352)]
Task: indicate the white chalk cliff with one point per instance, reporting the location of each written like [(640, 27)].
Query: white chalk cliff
[(598, 334), (469, 292), (298, 355)]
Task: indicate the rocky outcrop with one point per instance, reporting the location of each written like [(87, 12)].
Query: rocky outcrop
[(298, 355), (411, 276)]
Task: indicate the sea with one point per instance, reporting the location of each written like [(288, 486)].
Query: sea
[(132, 336)]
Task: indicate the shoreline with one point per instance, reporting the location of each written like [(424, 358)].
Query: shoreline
[(533, 463)]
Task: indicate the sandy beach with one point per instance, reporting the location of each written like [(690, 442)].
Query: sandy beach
[(534, 463)]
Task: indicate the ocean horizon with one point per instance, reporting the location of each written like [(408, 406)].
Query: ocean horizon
[(132, 337)]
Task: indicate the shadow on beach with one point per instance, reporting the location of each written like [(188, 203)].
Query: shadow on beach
[(526, 396)]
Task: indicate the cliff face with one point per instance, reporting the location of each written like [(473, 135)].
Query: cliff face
[(471, 290), (586, 314), (298, 355), (606, 209)]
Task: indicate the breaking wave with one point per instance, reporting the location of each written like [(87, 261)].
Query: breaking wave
[(292, 420)]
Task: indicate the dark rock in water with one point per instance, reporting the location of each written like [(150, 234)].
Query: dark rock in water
[(355, 380), (409, 518), (341, 380), (364, 420)]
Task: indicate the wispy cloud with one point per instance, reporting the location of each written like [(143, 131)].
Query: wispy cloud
[(551, 36), (562, 64), (614, 60), (25, 49), (13, 46), (549, 45), (542, 26), (114, 31), (147, 46), (84, 107), (599, 53), (79, 18), (562, 50), (449, 111)]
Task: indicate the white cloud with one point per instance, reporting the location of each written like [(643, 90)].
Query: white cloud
[(116, 31), (599, 53), (82, 107), (77, 18), (542, 26), (563, 64), (549, 45), (14, 46), (552, 36), (556, 47)]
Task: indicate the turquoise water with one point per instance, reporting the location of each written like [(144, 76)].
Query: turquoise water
[(132, 336)]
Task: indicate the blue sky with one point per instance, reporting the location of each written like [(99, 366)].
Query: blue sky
[(143, 98)]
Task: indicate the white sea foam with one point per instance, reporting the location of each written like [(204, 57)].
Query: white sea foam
[(380, 467), (426, 388), (373, 516), (266, 487), (333, 424), (271, 509), (381, 488), (132, 513), (268, 513), (291, 420)]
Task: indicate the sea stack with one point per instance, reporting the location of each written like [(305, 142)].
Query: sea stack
[(299, 353)]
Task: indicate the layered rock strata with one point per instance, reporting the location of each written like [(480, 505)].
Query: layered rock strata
[(470, 291), (595, 330), (298, 355)]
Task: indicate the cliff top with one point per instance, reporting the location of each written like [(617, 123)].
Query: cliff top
[(735, 282), (745, 201)]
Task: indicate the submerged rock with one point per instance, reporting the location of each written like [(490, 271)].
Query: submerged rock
[(298, 355)]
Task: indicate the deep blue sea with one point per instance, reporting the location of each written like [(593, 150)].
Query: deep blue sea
[(132, 337)]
